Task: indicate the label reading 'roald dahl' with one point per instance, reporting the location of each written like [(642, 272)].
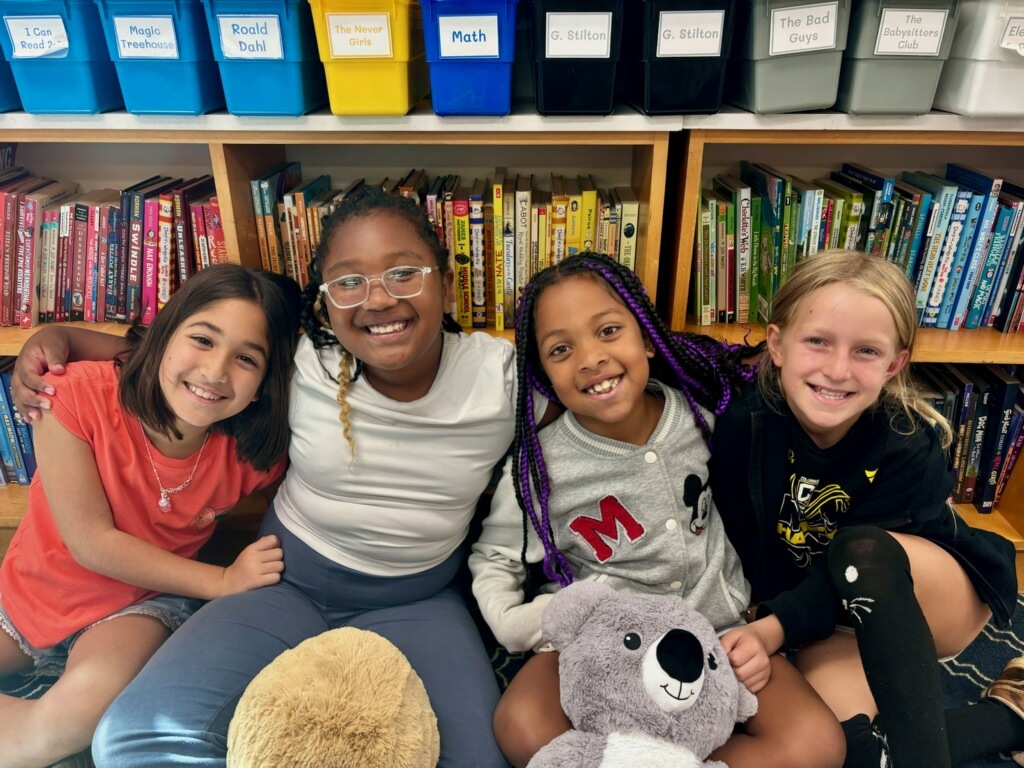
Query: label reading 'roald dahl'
[(145, 37), (359, 34), (462, 36), (250, 37), (690, 33), (578, 35), (803, 28)]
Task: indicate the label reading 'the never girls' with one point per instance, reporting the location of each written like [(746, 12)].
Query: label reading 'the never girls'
[(359, 34)]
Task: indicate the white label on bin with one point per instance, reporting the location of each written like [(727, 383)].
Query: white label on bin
[(250, 37), (910, 32), (1013, 35), (359, 34), (690, 33), (803, 28), (145, 37), (461, 36), (33, 37), (578, 36)]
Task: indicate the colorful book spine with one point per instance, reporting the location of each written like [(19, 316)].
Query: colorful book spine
[(463, 268)]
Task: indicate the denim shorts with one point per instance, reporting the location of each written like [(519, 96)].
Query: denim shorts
[(171, 610)]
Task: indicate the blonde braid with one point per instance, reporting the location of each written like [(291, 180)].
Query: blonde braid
[(344, 379)]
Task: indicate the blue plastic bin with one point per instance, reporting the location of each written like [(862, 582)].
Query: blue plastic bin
[(9, 99), (470, 46), (267, 55), (58, 57), (161, 50)]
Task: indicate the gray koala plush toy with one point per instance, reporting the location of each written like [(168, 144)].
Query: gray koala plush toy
[(644, 680)]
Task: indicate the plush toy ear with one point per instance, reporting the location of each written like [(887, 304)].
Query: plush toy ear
[(570, 608), (747, 705)]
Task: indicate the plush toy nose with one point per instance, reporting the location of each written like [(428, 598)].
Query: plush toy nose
[(681, 656)]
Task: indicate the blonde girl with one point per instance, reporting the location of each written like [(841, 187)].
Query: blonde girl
[(831, 479)]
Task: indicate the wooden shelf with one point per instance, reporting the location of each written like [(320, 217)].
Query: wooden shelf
[(982, 345), (12, 339)]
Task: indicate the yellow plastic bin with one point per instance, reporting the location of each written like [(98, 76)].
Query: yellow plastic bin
[(373, 55)]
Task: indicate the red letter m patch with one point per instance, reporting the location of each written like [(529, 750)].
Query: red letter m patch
[(594, 531)]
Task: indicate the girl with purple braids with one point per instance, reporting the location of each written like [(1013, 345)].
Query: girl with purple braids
[(617, 489)]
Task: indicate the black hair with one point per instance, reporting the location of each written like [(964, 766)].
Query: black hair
[(261, 429), (365, 201), (705, 370)]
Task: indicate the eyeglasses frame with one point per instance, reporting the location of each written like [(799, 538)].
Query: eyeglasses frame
[(324, 287)]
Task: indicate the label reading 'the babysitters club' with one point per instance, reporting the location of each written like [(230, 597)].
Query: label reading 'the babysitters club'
[(359, 34), (145, 37), (250, 37), (36, 37), (578, 35), (910, 32)]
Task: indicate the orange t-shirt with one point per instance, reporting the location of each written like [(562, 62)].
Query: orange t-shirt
[(44, 590)]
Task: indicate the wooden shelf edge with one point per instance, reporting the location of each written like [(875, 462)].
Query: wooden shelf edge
[(12, 339), (982, 345)]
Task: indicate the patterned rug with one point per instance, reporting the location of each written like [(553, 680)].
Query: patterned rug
[(963, 679)]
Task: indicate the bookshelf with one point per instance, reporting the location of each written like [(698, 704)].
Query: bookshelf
[(811, 144), (117, 149)]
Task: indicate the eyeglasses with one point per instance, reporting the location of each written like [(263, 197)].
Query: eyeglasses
[(350, 291)]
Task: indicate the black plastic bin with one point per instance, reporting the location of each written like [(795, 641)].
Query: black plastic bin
[(575, 53), (674, 55)]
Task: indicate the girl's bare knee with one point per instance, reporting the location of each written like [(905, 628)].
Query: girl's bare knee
[(521, 732)]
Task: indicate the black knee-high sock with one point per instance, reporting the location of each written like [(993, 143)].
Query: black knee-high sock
[(871, 574), (981, 730)]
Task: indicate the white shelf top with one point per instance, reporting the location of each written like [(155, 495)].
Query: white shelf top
[(522, 120), (735, 119), (420, 119)]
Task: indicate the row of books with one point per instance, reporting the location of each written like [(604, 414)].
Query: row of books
[(102, 255), (958, 235), (984, 404), (17, 455), (499, 232)]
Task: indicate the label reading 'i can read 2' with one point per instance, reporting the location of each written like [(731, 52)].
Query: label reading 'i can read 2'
[(250, 37), (35, 37), (359, 34), (910, 32), (145, 37), (461, 36), (803, 28), (578, 35), (690, 33), (1013, 35)]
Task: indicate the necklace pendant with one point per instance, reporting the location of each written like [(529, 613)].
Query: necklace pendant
[(165, 502)]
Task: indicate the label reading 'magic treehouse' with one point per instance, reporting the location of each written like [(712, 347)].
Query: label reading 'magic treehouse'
[(145, 37), (33, 37), (578, 35), (359, 34)]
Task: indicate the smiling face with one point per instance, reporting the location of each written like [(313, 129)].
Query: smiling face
[(834, 357), (213, 364), (398, 340), (595, 356)]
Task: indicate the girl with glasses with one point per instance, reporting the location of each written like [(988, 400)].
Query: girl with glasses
[(397, 421)]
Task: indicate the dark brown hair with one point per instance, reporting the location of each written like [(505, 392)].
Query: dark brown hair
[(261, 429)]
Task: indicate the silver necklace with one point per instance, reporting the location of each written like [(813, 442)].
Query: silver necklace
[(165, 493)]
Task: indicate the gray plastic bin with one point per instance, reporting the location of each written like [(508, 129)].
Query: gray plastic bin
[(787, 54), (895, 55)]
